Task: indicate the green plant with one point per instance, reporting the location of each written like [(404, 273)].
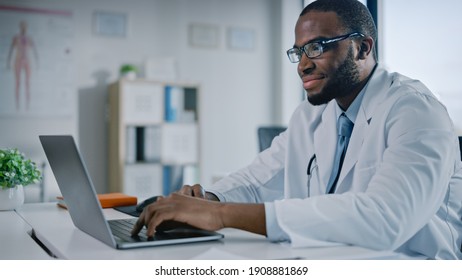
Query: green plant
[(15, 169), (128, 68)]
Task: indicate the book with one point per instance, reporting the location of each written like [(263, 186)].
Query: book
[(140, 143), (107, 200), (174, 103)]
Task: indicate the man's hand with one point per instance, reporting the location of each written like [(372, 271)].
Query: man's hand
[(193, 206), (193, 211)]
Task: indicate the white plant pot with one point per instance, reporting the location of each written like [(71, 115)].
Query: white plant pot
[(130, 75), (11, 198)]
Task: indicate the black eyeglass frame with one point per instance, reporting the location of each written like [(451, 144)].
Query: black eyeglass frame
[(295, 54)]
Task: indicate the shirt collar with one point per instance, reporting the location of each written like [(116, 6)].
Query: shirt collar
[(352, 111)]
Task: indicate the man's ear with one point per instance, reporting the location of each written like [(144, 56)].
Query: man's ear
[(365, 47)]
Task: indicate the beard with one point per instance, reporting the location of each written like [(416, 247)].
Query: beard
[(341, 84)]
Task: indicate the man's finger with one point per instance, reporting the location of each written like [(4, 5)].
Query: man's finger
[(198, 191), (186, 190), (138, 225)]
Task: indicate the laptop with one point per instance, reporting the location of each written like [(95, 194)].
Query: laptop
[(85, 209)]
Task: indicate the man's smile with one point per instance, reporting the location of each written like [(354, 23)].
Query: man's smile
[(311, 81)]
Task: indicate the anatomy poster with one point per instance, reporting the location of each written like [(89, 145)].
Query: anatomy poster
[(36, 62)]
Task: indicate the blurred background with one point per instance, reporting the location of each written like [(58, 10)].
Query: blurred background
[(235, 51)]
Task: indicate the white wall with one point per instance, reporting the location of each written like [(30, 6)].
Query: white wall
[(239, 88), (292, 89), (421, 39)]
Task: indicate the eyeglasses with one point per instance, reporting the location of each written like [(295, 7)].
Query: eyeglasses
[(315, 49)]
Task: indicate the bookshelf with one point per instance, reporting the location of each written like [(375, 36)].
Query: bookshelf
[(153, 136)]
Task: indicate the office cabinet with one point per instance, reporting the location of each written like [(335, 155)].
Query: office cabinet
[(153, 136)]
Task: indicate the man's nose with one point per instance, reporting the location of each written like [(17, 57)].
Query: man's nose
[(305, 65)]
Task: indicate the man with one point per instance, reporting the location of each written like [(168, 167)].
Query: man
[(397, 187)]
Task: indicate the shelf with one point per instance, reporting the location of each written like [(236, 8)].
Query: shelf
[(154, 137)]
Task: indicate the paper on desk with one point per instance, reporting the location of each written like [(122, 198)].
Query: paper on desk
[(217, 254)]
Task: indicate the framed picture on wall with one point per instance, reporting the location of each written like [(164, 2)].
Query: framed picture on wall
[(110, 24), (204, 35)]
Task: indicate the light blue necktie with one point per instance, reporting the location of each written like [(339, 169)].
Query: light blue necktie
[(345, 127)]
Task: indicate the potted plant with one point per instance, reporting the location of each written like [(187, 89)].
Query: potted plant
[(15, 172), (128, 71)]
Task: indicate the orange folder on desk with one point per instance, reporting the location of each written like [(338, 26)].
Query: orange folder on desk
[(108, 200)]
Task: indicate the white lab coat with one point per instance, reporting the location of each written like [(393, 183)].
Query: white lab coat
[(400, 187)]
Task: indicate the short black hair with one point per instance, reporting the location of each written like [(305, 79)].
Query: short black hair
[(352, 13)]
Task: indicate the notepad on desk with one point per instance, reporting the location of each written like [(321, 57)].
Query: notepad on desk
[(107, 200)]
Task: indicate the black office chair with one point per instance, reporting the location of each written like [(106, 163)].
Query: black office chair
[(266, 135), (460, 146)]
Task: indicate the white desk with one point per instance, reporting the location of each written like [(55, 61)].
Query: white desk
[(15, 241), (54, 228)]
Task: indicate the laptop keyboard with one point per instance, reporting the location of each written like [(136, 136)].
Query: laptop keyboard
[(122, 229)]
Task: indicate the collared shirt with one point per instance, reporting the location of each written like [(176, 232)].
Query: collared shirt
[(352, 111)]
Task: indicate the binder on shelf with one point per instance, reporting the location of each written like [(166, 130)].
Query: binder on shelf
[(190, 100), (140, 143), (143, 144), (166, 180), (189, 112), (174, 103)]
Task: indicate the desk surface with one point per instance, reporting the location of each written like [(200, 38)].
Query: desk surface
[(54, 227), (15, 240)]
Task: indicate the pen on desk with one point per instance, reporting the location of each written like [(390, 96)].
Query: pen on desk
[(308, 169)]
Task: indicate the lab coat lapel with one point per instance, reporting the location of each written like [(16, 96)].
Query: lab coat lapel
[(373, 96), (354, 146), (325, 141)]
